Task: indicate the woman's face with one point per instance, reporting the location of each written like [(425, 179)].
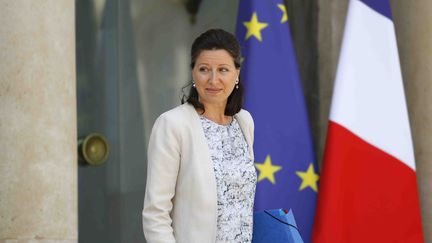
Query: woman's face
[(214, 75)]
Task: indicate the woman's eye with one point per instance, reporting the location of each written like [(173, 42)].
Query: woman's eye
[(203, 69), (224, 70)]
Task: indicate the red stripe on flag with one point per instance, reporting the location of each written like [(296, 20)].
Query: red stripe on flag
[(365, 195)]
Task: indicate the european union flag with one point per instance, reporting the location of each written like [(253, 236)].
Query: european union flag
[(284, 156)]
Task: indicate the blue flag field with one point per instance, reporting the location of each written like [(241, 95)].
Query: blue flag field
[(284, 157)]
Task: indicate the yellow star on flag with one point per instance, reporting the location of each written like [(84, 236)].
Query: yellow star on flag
[(254, 27), (267, 170), (309, 178), (284, 13)]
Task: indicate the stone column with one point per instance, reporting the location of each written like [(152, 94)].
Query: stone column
[(414, 35), (413, 25), (38, 158)]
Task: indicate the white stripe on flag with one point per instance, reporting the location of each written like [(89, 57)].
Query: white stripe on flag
[(372, 105)]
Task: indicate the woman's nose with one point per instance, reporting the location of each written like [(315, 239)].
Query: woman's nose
[(213, 76)]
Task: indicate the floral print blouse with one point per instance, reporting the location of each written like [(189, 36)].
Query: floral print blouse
[(235, 180)]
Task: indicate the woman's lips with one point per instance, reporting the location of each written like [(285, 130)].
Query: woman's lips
[(213, 90)]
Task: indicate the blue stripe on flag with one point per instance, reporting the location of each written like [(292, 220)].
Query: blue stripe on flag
[(381, 6)]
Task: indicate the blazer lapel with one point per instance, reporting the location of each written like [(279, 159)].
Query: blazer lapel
[(199, 137), (246, 133)]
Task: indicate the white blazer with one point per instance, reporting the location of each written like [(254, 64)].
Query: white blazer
[(180, 203)]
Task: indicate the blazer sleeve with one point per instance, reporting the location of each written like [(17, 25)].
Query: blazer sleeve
[(250, 124), (251, 127), (162, 170)]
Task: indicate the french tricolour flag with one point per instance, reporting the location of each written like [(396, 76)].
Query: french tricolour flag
[(368, 190)]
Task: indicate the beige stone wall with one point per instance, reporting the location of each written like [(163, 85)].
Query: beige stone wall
[(413, 24), (331, 20), (38, 164)]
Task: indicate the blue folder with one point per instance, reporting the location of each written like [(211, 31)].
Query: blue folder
[(275, 226)]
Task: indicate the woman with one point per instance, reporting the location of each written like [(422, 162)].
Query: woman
[(201, 177)]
